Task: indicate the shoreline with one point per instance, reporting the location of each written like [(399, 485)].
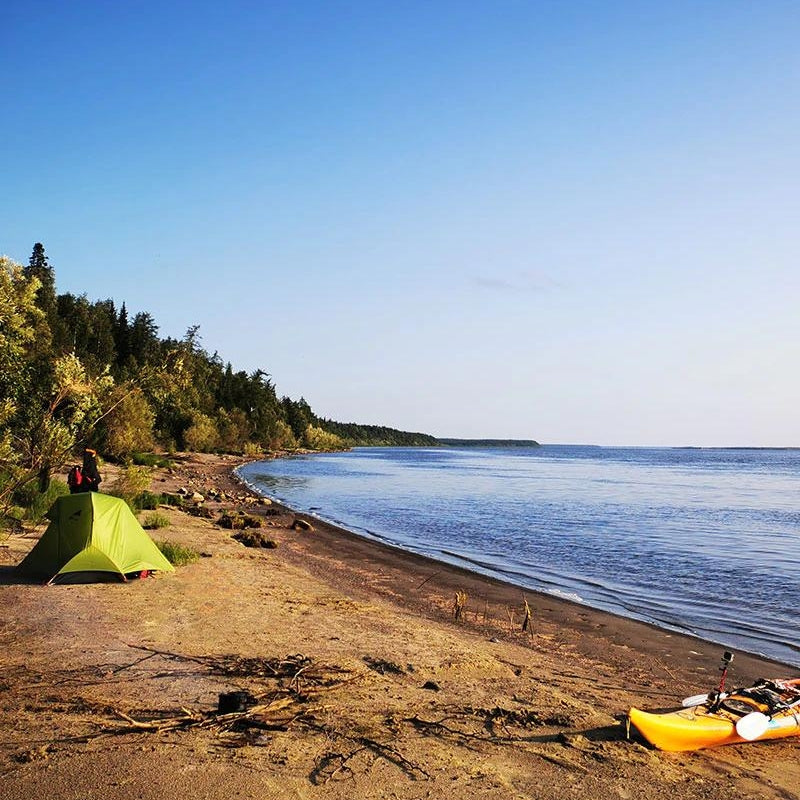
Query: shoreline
[(573, 612), (383, 693)]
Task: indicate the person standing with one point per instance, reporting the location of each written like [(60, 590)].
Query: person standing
[(91, 476)]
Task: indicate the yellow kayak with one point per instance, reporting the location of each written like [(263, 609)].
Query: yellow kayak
[(765, 711)]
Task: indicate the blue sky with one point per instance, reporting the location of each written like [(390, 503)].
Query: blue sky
[(574, 222)]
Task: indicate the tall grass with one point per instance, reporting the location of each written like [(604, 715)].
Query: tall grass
[(177, 554), (155, 521)]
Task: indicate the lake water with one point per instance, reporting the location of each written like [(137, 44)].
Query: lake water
[(702, 541)]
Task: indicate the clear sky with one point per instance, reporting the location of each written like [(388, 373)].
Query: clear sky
[(568, 221)]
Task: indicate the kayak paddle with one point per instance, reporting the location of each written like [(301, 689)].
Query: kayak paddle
[(755, 724)]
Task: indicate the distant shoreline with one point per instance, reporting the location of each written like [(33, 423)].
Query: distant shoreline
[(489, 442)]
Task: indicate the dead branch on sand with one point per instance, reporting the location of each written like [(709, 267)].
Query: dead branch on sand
[(333, 764), (291, 667), (489, 725)]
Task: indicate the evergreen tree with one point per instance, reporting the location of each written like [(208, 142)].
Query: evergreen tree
[(122, 338), (39, 267), (101, 345), (40, 270), (143, 339), (298, 415), (225, 395), (74, 333)]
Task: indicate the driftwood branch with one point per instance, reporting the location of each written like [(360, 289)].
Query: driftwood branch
[(429, 578), (324, 772)]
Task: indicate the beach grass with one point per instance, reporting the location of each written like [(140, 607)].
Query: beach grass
[(177, 554), (155, 521)]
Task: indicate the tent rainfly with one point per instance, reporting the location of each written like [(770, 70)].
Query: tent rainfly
[(92, 535)]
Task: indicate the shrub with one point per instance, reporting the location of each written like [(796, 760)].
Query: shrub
[(253, 450), (177, 554), (150, 460), (234, 430), (319, 439), (42, 501), (11, 521), (200, 511), (148, 501), (202, 434), (32, 505), (131, 482), (283, 438), (155, 521)]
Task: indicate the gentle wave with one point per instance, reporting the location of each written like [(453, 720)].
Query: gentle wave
[(702, 541)]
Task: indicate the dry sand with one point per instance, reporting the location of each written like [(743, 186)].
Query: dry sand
[(373, 689)]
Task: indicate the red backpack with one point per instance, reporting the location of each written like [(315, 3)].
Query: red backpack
[(74, 478)]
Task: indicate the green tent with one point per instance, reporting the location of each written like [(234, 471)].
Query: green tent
[(92, 535)]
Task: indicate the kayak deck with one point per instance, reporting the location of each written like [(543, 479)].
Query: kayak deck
[(687, 729), (713, 723)]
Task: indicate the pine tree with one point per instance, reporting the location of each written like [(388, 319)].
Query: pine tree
[(122, 337), (143, 339), (39, 267)]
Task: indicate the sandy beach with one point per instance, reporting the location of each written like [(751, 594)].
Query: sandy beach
[(367, 684)]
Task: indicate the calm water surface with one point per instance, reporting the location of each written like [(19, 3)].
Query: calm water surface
[(702, 541)]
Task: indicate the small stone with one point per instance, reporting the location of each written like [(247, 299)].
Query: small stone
[(432, 686)]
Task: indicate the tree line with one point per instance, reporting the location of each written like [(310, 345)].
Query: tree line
[(77, 373)]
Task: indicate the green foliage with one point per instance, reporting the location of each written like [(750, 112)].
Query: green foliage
[(177, 554), (19, 319), (39, 268), (128, 427), (148, 501), (75, 372), (143, 340), (376, 435), (37, 503), (131, 482), (284, 438), (155, 521), (234, 430), (253, 450), (318, 439), (149, 460), (47, 402), (298, 415), (202, 435)]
